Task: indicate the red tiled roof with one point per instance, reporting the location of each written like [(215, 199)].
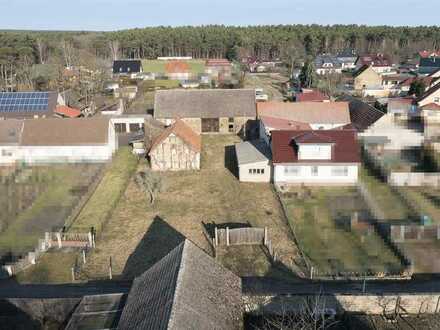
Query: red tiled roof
[(426, 53), (218, 62), (431, 106), (67, 111), (312, 138), (284, 124), (345, 149), (177, 67), (312, 96), (183, 131), (377, 60)]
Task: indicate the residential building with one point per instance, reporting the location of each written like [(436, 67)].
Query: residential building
[(362, 114), (347, 58), (224, 111), (432, 95), (402, 107), (27, 105), (45, 141), (301, 116), (127, 67), (366, 78), (380, 63), (430, 113), (254, 161), (177, 148), (219, 69), (178, 70), (327, 64), (187, 289), (311, 95), (429, 65), (329, 157)]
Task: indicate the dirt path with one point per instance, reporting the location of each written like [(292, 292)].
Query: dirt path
[(271, 84)]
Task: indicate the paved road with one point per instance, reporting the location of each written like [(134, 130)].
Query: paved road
[(10, 289), (267, 286)]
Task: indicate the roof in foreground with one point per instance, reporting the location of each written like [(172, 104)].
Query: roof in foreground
[(204, 103), (345, 145), (187, 289), (249, 152), (307, 112)]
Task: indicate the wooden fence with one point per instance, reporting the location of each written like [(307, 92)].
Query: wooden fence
[(414, 232), (240, 236), (59, 240)]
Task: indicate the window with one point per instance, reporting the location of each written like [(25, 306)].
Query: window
[(120, 127), (231, 128), (134, 127), (314, 170), (436, 99), (254, 171), (291, 170), (231, 119), (339, 170), (6, 153)]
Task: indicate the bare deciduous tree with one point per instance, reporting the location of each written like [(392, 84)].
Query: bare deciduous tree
[(150, 183)]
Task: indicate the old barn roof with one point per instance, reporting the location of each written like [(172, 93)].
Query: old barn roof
[(187, 289), (65, 132), (183, 131), (345, 145), (207, 103), (306, 112)]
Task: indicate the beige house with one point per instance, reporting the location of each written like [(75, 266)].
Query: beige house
[(254, 161), (367, 78), (177, 148), (429, 105), (224, 111)]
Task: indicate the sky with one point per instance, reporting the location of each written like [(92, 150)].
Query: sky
[(104, 15)]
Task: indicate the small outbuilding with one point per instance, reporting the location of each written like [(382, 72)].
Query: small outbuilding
[(254, 161), (177, 148)]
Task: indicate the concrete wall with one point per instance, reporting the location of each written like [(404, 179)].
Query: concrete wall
[(324, 176), (173, 154), (247, 175), (369, 303)]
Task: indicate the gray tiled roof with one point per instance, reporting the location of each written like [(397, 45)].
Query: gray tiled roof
[(187, 289), (252, 152), (206, 103)]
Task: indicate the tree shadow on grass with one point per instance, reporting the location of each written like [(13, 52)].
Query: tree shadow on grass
[(157, 242)]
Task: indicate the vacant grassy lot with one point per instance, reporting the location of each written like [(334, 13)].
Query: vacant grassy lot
[(158, 66), (64, 186), (139, 234), (390, 203), (45, 272), (107, 194), (271, 84), (321, 221)]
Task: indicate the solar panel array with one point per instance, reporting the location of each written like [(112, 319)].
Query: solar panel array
[(24, 102)]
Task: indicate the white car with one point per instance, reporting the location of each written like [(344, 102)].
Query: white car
[(260, 96)]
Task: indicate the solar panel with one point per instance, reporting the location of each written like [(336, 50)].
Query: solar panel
[(24, 102)]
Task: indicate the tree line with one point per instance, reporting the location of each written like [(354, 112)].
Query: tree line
[(20, 50)]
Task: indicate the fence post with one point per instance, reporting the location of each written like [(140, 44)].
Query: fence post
[(265, 235), (311, 272), (216, 236), (227, 236), (110, 271), (90, 236), (60, 244), (73, 274), (84, 255), (438, 232), (47, 240)]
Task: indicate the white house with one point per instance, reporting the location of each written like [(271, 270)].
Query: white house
[(46, 141), (254, 161), (329, 157), (301, 116)]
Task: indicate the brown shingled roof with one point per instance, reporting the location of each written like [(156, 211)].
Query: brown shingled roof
[(183, 131), (345, 149), (69, 132)]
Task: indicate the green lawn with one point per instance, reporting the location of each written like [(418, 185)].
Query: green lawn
[(49, 209), (390, 203), (158, 66), (46, 271), (329, 243), (107, 194)]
